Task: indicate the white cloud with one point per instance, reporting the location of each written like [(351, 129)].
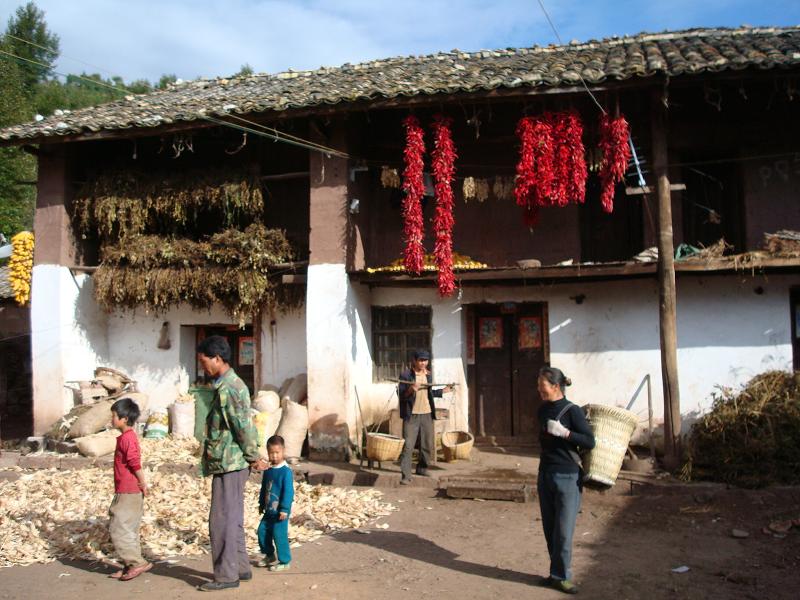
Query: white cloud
[(191, 38)]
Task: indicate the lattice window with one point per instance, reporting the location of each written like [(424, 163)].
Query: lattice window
[(396, 332)]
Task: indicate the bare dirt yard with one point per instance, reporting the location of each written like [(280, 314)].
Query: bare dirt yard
[(435, 547)]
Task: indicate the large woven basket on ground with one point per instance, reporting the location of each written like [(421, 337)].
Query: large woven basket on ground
[(612, 428), (382, 446), (456, 445)]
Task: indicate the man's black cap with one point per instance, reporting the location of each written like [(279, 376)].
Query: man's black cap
[(422, 355)]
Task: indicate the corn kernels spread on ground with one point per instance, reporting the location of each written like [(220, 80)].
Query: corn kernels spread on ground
[(51, 514)]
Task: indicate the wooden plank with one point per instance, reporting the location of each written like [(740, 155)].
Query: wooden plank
[(638, 191), (257, 332), (488, 489), (667, 306)]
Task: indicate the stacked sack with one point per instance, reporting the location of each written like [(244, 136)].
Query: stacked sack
[(266, 416), (293, 427)]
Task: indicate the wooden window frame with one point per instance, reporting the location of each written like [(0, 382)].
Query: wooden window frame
[(381, 371)]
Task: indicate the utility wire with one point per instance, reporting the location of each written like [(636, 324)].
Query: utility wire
[(81, 77), (558, 37), (268, 132), (54, 51)]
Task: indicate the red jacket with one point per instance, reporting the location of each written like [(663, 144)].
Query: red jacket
[(127, 460)]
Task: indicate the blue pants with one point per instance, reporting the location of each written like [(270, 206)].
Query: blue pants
[(272, 530), (559, 501)]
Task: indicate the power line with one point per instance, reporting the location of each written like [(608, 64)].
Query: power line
[(55, 51), (36, 62), (269, 133), (558, 37)]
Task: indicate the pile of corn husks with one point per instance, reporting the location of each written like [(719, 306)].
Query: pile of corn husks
[(52, 514), (170, 450)]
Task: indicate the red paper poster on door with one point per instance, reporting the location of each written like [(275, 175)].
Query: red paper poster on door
[(530, 333), (490, 332)]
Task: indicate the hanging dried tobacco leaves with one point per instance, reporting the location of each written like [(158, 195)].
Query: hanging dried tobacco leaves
[(118, 204)]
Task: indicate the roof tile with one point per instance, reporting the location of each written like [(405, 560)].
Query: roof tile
[(615, 59)]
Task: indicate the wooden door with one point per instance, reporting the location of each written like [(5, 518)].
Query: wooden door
[(242, 349), (529, 353), (511, 346)]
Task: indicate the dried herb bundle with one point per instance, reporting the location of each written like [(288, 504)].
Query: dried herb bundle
[(124, 203), (750, 438), (230, 268)]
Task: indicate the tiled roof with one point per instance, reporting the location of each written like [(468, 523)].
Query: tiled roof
[(5, 283), (676, 54)]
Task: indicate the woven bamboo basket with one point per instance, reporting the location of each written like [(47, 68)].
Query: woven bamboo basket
[(457, 445), (382, 446), (612, 429)]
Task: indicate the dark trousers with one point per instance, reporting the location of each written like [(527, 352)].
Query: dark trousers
[(226, 526), (417, 426), (273, 534), (559, 501)]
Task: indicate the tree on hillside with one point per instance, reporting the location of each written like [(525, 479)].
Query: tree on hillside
[(244, 71), (16, 198), (165, 80), (28, 37)]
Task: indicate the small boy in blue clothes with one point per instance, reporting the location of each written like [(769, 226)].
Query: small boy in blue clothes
[(275, 502)]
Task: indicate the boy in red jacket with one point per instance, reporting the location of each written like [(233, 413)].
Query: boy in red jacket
[(130, 487)]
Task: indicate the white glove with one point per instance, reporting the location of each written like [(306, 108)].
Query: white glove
[(557, 429)]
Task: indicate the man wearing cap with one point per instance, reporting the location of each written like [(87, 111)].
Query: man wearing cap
[(417, 409)]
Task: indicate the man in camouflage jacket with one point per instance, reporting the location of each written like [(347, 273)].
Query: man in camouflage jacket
[(229, 451)]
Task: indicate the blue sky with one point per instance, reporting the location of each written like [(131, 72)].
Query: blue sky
[(192, 38)]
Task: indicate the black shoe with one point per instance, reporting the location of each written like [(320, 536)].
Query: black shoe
[(246, 576), (423, 472), (215, 586)]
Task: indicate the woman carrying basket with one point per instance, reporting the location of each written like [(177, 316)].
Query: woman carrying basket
[(563, 429)]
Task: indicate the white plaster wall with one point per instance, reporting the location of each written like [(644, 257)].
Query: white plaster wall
[(283, 346), (329, 338), (132, 348), (162, 374), (449, 358), (68, 334), (726, 334)]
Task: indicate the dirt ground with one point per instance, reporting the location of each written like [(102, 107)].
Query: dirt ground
[(435, 547)]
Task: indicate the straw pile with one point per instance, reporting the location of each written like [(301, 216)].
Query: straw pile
[(750, 438), (783, 243), (53, 514)]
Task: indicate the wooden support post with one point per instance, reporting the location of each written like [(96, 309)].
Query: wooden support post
[(666, 286), (257, 350)]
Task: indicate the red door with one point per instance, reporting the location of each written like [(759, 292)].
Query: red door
[(511, 345)]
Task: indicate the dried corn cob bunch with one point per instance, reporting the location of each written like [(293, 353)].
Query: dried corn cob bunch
[(20, 266)]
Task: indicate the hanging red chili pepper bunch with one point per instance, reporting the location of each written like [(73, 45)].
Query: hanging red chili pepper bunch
[(614, 134), (526, 174), (414, 187), (443, 162), (576, 157), (552, 167)]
